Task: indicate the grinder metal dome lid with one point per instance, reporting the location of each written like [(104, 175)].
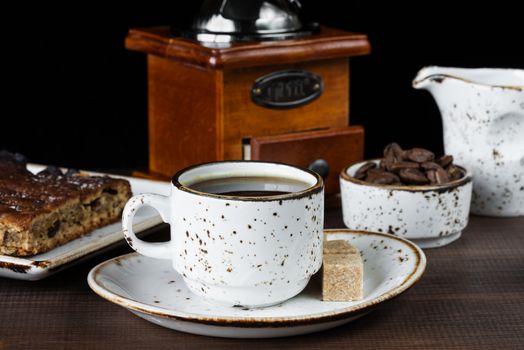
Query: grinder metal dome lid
[(226, 21)]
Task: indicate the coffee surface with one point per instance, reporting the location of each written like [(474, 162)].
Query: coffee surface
[(253, 193), (250, 186)]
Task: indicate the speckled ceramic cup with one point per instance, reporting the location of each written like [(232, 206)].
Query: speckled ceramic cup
[(430, 216), (238, 250)]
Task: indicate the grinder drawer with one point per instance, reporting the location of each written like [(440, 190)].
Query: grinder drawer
[(325, 151)]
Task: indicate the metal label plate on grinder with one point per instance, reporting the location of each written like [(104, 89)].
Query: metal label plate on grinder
[(286, 89)]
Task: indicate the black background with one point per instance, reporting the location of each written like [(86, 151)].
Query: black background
[(73, 96)]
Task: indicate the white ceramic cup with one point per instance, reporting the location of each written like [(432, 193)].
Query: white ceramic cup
[(238, 250)]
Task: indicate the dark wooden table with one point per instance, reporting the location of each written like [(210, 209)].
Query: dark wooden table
[(471, 296)]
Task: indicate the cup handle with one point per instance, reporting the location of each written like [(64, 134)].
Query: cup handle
[(159, 203)]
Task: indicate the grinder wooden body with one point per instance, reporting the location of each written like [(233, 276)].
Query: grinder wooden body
[(201, 102)]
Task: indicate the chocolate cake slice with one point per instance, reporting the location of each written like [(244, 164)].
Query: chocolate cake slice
[(41, 211)]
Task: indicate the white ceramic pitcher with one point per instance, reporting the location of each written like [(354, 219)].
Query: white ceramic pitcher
[(483, 120)]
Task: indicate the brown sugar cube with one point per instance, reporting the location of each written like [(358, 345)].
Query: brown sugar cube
[(338, 246), (342, 272)]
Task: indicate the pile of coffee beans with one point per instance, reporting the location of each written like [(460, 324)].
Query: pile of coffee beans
[(416, 166)]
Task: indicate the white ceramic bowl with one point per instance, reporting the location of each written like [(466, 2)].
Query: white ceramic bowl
[(430, 216)]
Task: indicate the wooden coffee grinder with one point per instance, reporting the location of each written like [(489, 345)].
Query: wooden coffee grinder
[(250, 80)]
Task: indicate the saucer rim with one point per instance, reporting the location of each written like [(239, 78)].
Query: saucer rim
[(257, 322)]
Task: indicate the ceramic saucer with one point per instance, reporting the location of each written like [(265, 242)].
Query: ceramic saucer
[(151, 289)]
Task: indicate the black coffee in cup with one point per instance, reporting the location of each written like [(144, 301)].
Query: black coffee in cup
[(250, 186)]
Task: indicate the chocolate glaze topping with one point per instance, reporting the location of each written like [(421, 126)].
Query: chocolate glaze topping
[(24, 194)]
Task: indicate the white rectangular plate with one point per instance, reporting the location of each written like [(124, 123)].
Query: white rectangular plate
[(42, 265)]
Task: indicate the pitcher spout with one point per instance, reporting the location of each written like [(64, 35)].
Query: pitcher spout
[(428, 77), (487, 78)]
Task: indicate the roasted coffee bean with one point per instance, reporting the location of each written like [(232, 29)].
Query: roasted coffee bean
[(362, 171), (376, 171), (387, 180), (445, 160), (413, 177), (380, 177), (430, 166), (420, 155), (430, 174), (393, 149), (454, 172), (441, 176), (405, 155), (416, 166), (371, 174), (389, 161), (396, 167)]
